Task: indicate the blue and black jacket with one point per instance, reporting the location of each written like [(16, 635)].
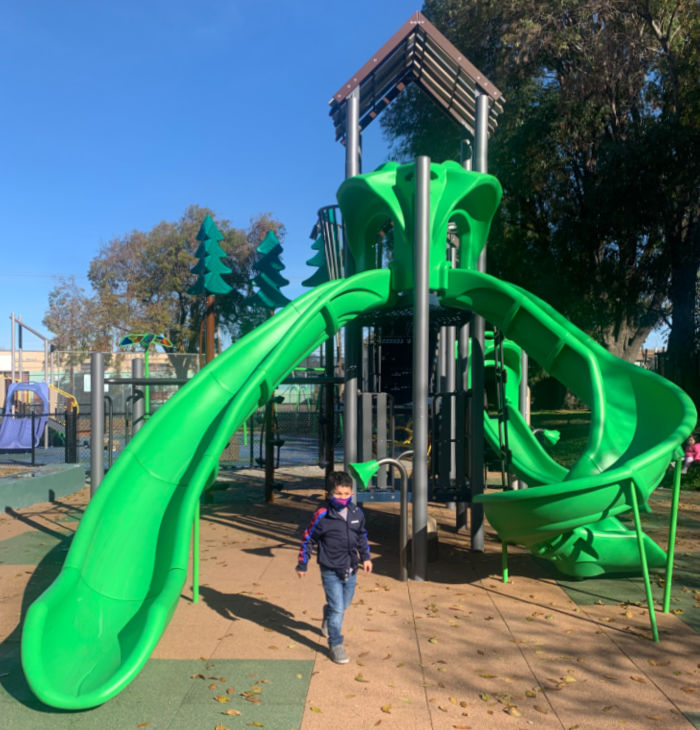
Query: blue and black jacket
[(341, 543)]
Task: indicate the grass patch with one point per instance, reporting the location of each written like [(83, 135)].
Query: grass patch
[(573, 427)]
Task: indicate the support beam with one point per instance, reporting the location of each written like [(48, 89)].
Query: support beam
[(476, 451), (420, 369), (97, 420), (353, 333)]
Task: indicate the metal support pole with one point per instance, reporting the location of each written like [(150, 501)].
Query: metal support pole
[(523, 402), (137, 417), (421, 262), (195, 555), (461, 455), (97, 420), (476, 451), (46, 380), (329, 415), (12, 346), (20, 374), (463, 384), (353, 141), (353, 166)]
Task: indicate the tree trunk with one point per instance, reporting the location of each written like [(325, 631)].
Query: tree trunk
[(683, 359)]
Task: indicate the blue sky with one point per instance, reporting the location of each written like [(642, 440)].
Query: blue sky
[(119, 115)]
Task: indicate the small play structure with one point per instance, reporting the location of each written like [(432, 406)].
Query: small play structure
[(92, 631), (25, 417), (30, 407)]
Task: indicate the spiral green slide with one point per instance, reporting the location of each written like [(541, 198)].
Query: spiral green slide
[(89, 634), (638, 421)]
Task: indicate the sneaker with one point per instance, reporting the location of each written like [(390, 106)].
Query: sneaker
[(338, 654), (324, 628)]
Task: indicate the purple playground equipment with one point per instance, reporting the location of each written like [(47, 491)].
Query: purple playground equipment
[(23, 431)]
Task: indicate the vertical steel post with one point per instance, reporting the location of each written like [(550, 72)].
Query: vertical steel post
[(328, 401), (137, 408), (476, 450), (463, 384), (523, 402), (12, 346), (46, 380), (97, 420), (421, 263), (20, 375), (353, 166)]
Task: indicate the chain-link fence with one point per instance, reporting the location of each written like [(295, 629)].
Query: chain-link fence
[(295, 431)]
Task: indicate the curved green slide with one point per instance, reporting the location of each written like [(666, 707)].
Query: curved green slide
[(89, 634), (638, 421), (529, 459)]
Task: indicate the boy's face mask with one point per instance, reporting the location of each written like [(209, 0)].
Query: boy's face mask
[(341, 497)]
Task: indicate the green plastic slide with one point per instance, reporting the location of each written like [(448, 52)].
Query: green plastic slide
[(638, 421), (89, 634), (529, 459)]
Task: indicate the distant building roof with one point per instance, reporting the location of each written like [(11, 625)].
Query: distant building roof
[(417, 53)]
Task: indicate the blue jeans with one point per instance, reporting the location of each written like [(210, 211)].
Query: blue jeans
[(339, 593)]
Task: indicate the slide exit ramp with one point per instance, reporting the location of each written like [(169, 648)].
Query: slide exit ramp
[(90, 633)]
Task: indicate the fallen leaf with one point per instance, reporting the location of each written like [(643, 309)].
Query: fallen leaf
[(405, 699), (360, 678), (514, 711), (212, 686), (222, 698), (230, 691), (386, 708), (290, 646), (197, 676), (442, 707), (316, 709), (689, 689), (143, 724), (255, 724), (637, 678), (607, 708), (433, 640), (235, 713), (453, 700), (221, 727), (486, 675), (542, 710), (299, 676)]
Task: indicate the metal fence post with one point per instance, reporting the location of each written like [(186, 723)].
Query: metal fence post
[(97, 420)]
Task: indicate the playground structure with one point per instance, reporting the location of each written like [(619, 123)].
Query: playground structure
[(30, 407), (90, 633)]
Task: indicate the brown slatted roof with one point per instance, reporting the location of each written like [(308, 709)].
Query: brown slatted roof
[(417, 53)]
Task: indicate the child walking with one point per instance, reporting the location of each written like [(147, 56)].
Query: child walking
[(338, 529)]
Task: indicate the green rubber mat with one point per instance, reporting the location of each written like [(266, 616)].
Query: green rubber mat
[(177, 695), (30, 548), (685, 593)]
